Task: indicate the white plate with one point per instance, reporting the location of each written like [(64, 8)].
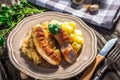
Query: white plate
[(86, 57)]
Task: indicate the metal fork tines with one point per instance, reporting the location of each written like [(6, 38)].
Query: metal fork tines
[(113, 56)]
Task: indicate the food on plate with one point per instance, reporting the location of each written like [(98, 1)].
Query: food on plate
[(43, 47), (63, 39), (76, 38), (28, 49), (53, 40), (76, 46)]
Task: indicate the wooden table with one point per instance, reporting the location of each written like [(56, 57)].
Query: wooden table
[(9, 72)]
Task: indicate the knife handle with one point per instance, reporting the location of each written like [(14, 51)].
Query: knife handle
[(90, 70)]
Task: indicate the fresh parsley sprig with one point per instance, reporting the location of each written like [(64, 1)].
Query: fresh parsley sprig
[(10, 16)]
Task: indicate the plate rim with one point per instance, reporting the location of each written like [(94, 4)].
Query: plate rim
[(84, 25)]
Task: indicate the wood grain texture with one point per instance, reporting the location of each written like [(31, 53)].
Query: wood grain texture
[(91, 69), (103, 35)]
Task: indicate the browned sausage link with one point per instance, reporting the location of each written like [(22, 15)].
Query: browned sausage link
[(40, 37), (55, 57), (70, 54), (63, 36), (67, 50), (43, 43)]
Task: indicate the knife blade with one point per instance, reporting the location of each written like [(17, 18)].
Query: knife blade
[(99, 58), (99, 74), (108, 47)]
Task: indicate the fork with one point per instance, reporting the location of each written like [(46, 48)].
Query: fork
[(113, 56)]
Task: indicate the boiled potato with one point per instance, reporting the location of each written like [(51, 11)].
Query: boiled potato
[(69, 29), (76, 46), (57, 51), (45, 25), (72, 36), (72, 24), (77, 38), (78, 32), (54, 22), (65, 26)]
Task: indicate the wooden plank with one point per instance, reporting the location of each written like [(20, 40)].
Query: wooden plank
[(103, 35)]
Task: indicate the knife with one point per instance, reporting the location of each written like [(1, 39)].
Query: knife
[(99, 58)]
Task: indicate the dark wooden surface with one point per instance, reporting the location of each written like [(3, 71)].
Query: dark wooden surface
[(9, 72)]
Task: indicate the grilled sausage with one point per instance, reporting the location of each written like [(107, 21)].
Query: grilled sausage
[(43, 47), (67, 50)]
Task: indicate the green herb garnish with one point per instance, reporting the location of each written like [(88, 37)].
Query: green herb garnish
[(1, 41), (54, 28), (12, 15)]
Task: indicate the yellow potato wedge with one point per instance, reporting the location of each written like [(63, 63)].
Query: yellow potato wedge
[(57, 51), (76, 46), (72, 24), (76, 38), (78, 32)]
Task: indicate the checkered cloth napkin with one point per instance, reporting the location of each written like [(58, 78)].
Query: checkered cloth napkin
[(108, 13)]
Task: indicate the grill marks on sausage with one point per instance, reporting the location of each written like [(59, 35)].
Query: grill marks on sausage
[(63, 36), (67, 50), (43, 43), (63, 39)]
